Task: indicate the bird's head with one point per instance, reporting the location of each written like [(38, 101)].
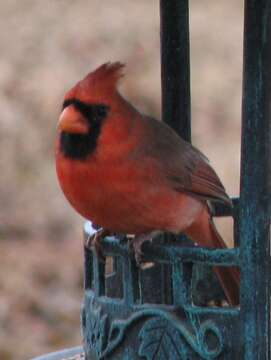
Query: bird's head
[(85, 109)]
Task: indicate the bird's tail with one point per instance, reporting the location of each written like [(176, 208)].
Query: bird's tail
[(204, 232)]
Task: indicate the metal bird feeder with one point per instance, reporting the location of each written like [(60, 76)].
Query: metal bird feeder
[(150, 313), (156, 312)]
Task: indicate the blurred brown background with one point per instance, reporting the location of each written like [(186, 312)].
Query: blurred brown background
[(46, 46)]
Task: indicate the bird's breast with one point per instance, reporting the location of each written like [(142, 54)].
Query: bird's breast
[(125, 198), (104, 194)]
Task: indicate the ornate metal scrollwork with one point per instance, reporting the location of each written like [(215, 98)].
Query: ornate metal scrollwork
[(162, 334)]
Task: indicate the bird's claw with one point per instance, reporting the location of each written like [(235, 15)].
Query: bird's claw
[(94, 241), (138, 253), (136, 244)]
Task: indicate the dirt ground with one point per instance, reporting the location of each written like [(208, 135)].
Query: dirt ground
[(46, 47)]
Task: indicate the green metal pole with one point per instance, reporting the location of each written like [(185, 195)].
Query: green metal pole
[(175, 65), (255, 181)]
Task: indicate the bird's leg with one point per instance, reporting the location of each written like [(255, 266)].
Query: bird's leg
[(138, 241), (94, 240)]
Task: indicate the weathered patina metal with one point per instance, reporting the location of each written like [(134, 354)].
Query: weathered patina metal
[(255, 181), (151, 313)]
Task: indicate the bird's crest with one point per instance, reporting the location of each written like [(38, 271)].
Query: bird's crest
[(108, 73), (100, 82)]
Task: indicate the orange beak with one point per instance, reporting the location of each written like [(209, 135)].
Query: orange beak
[(72, 121)]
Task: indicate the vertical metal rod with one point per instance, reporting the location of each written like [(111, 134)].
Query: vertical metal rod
[(88, 266), (98, 276), (175, 80), (181, 284), (130, 281), (175, 65), (255, 181)]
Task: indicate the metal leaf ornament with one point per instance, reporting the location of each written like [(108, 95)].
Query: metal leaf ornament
[(96, 332), (161, 341)]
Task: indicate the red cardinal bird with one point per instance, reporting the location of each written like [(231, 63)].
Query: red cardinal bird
[(132, 174)]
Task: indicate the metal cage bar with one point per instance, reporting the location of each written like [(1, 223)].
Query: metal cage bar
[(255, 181), (175, 66)]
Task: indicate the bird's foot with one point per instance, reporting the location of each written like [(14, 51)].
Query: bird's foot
[(94, 240), (137, 242)]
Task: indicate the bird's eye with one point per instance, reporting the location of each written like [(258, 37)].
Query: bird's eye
[(94, 113), (100, 111)]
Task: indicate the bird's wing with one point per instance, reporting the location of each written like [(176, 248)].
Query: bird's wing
[(184, 167)]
